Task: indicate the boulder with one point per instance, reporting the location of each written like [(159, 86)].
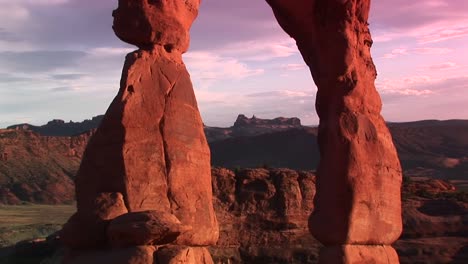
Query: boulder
[(185, 255), (130, 255), (144, 228), (87, 229), (145, 23)]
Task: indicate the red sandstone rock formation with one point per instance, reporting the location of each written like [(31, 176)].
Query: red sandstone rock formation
[(150, 146), (359, 176), (263, 216)]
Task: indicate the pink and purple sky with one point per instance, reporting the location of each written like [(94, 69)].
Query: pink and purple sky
[(60, 59)]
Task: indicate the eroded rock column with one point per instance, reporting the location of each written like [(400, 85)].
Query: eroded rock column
[(144, 186), (357, 212)]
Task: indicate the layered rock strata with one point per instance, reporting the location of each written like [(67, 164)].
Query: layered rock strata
[(358, 206), (144, 184)]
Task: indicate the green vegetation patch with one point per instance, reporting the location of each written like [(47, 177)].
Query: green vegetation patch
[(21, 222)]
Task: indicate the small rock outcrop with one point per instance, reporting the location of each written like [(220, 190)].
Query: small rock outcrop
[(263, 216), (145, 228), (358, 204), (150, 149), (283, 122)]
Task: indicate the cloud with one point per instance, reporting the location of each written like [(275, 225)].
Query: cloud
[(207, 67), (220, 23), (35, 2), (424, 86), (419, 51), (431, 36), (12, 14), (426, 21), (260, 49), (406, 86), (7, 36), (395, 52), (442, 66), (111, 51), (11, 78), (67, 76), (446, 100), (294, 66), (39, 61), (431, 51), (281, 93), (63, 89)]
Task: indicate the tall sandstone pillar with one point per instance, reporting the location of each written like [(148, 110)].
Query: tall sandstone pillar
[(144, 186), (357, 212)]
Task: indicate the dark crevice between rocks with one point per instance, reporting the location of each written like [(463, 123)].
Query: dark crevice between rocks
[(162, 122), (168, 48), (131, 89)]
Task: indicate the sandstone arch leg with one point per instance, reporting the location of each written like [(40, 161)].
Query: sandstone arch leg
[(357, 212), (144, 186)]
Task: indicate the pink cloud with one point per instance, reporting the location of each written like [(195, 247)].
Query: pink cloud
[(408, 86), (294, 66), (433, 36), (423, 50), (208, 67), (431, 51), (260, 49), (443, 66), (282, 94), (427, 21), (395, 52), (424, 86)]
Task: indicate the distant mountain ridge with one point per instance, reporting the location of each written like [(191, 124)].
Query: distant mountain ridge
[(248, 127), (243, 126), (33, 158), (58, 127)]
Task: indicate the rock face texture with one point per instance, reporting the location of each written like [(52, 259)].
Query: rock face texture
[(263, 216), (359, 176), (150, 147), (38, 169)]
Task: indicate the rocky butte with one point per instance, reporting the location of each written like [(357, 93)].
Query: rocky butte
[(144, 188)]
